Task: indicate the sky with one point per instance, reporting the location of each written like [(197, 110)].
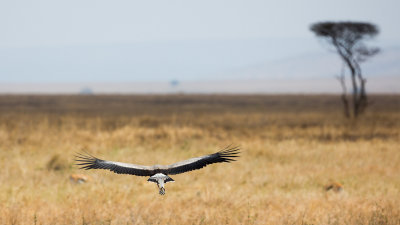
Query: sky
[(76, 22), (161, 40)]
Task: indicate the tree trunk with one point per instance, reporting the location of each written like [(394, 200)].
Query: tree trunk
[(342, 80), (362, 96), (355, 102), (359, 102)]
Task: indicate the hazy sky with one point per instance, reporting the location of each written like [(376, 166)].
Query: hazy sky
[(87, 31), (53, 23)]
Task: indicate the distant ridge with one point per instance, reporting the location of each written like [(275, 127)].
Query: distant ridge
[(318, 65), (303, 73), (328, 84)]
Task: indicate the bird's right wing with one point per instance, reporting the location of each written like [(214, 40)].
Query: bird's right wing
[(88, 162), (226, 155)]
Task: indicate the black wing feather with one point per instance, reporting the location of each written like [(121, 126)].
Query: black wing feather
[(226, 155), (88, 162)]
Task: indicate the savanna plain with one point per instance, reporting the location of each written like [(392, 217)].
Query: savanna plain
[(293, 147)]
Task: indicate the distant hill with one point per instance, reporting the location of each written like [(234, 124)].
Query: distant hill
[(189, 67), (318, 65)]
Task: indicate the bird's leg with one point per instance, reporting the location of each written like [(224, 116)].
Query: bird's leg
[(162, 191), (160, 185)]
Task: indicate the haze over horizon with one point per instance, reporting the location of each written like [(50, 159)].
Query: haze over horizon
[(95, 42)]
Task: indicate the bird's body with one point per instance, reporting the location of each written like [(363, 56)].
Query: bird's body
[(160, 179), (158, 173)]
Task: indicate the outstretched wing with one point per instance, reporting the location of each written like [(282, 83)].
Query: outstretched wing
[(88, 162), (226, 155)]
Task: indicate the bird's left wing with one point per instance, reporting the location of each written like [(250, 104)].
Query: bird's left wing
[(226, 155), (88, 162)]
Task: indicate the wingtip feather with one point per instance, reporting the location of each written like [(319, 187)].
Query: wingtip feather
[(85, 160)]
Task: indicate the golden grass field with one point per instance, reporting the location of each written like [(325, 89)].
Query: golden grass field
[(292, 147)]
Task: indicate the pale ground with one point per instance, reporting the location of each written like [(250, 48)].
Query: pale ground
[(287, 158)]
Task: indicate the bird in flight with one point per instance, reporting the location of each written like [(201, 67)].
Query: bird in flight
[(158, 173)]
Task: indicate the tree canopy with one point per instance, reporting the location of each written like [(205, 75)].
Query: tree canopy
[(348, 37)]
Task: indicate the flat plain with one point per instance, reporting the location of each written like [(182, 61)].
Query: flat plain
[(292, 148)]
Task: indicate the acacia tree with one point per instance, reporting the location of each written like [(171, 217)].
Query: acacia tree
[(348, 40)]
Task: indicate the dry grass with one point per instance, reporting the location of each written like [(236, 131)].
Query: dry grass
[(293, 146)]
